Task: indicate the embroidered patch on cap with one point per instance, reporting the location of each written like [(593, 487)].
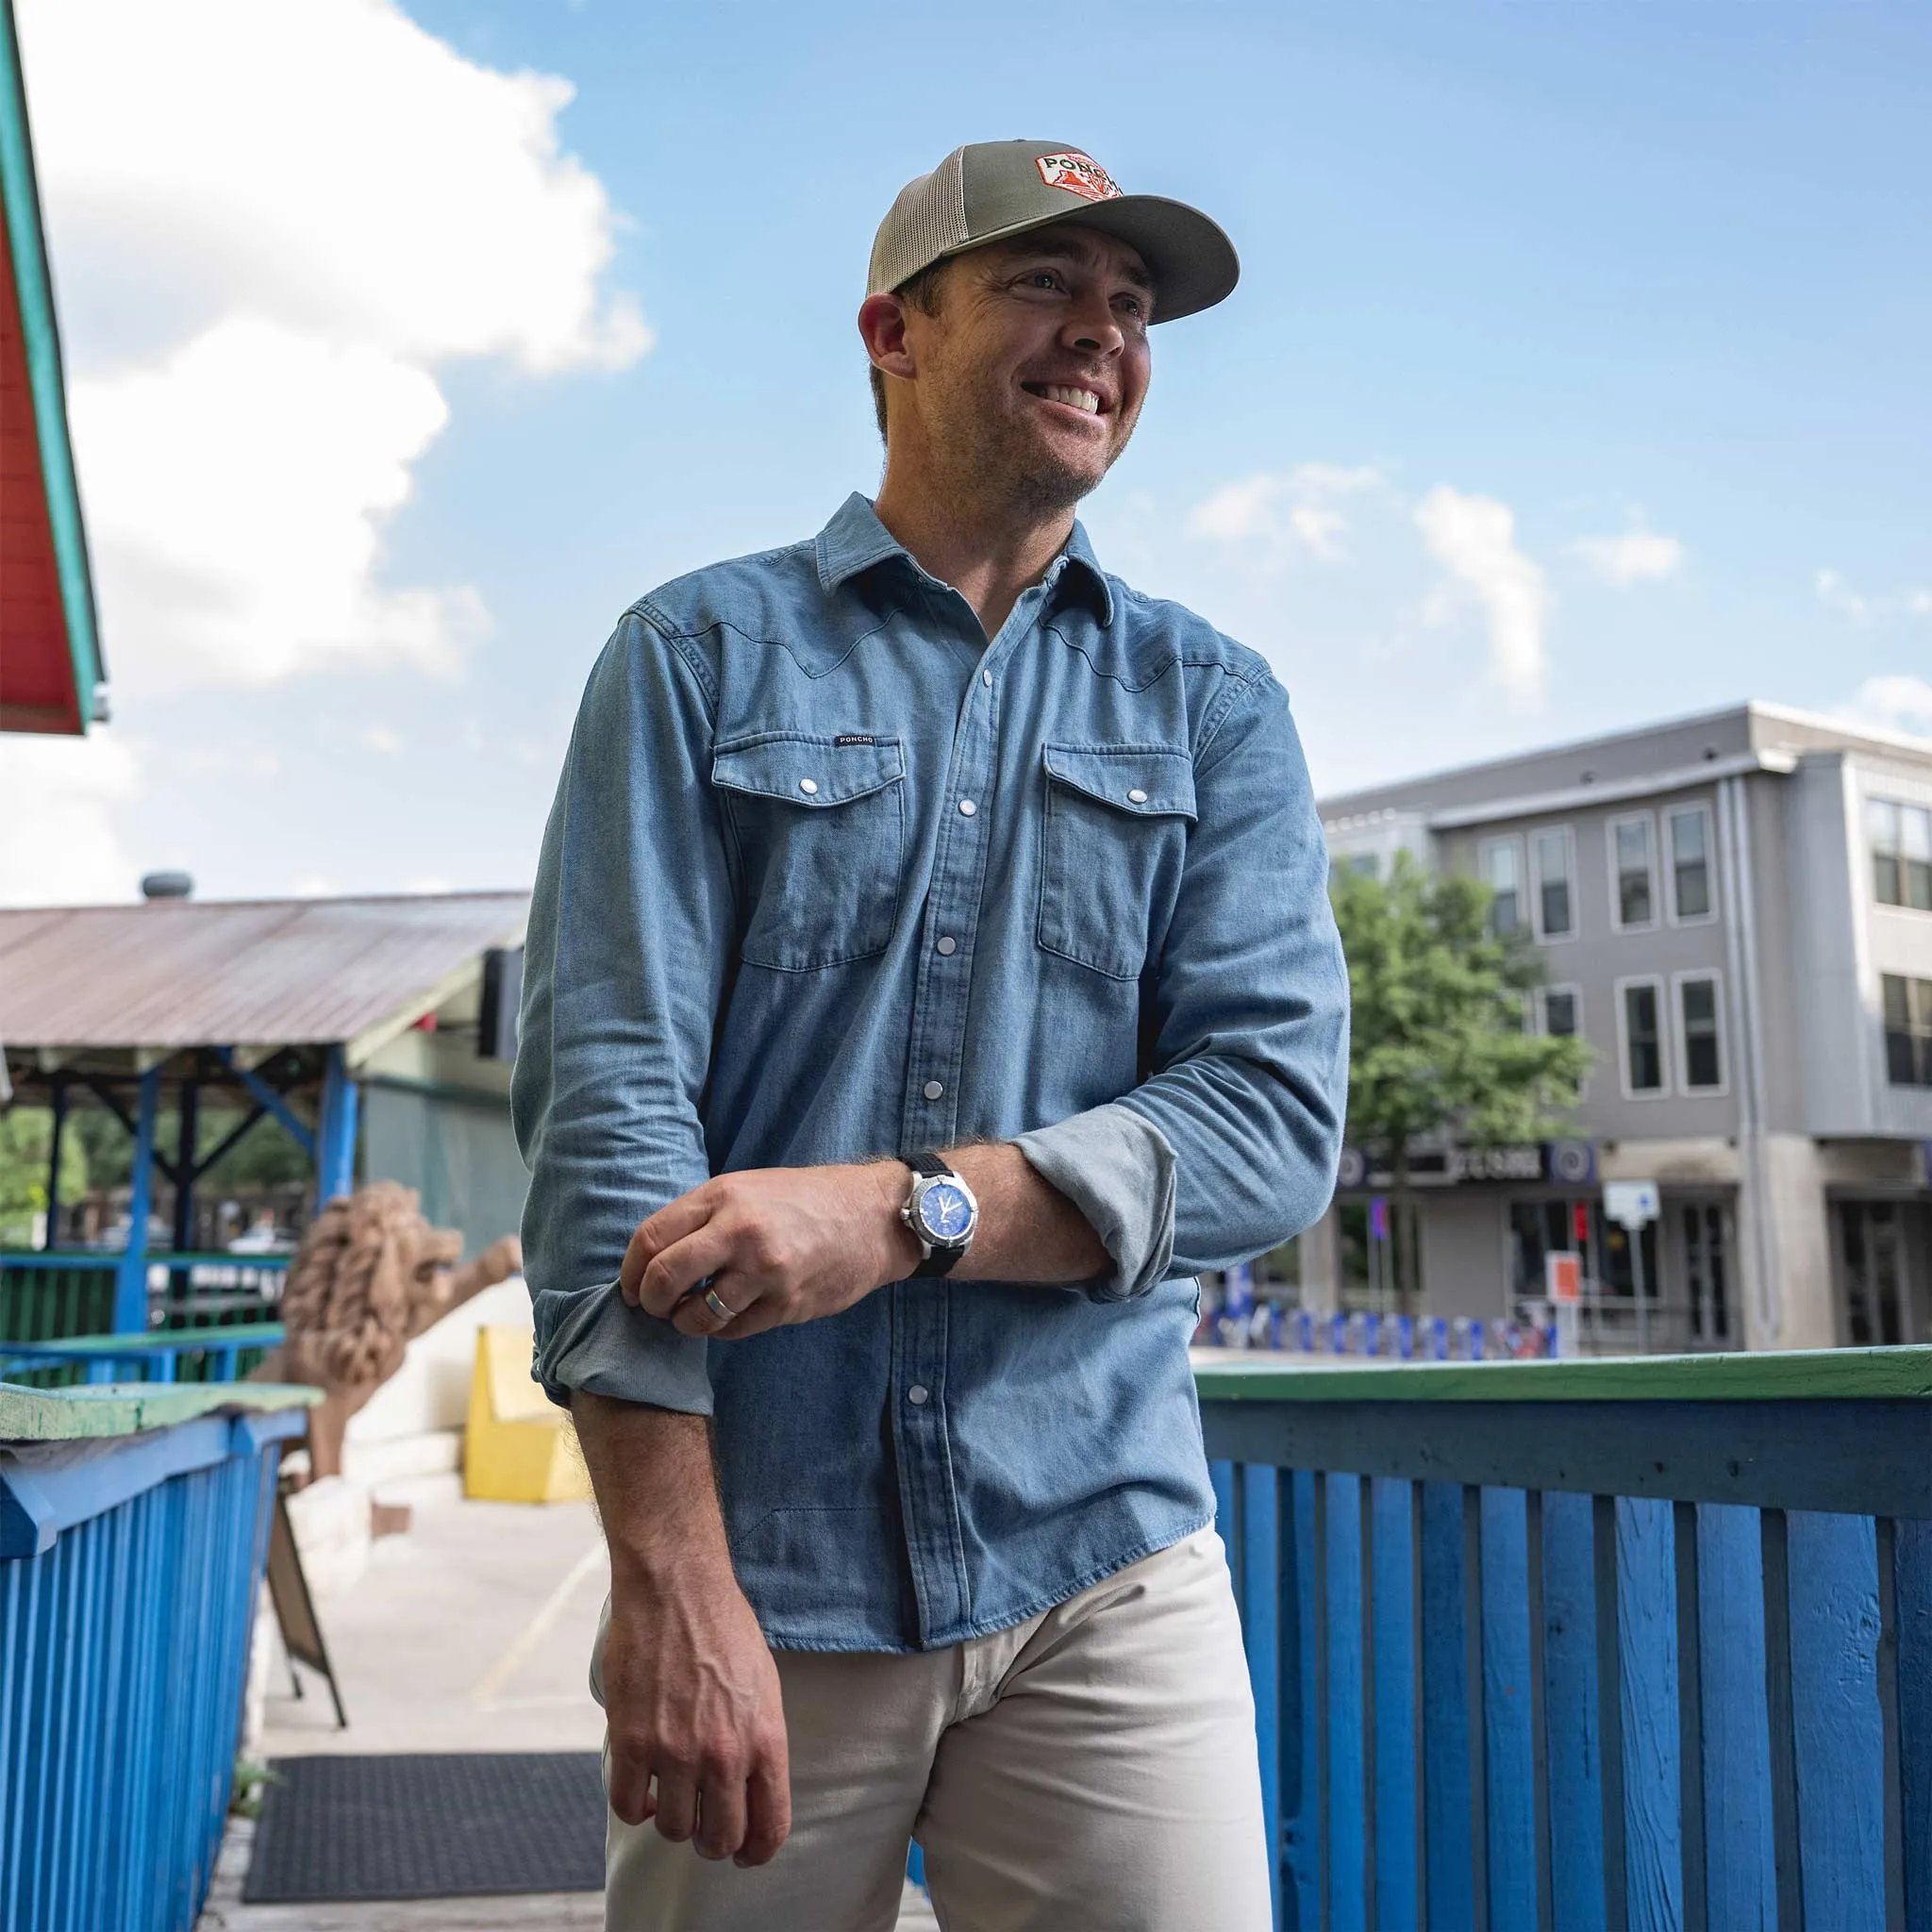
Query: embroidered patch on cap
[(1078, 175)]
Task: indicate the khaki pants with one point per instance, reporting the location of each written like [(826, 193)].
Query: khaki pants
[(1092, 1770)]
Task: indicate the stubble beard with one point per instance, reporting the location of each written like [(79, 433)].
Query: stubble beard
[(997, 462)]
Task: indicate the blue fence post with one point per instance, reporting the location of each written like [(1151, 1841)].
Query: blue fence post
[(335, 1145), (130, 1277)]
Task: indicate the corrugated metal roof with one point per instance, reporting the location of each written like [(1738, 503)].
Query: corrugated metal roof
[(266, 973)]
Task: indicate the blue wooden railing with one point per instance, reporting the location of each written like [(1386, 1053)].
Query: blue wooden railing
[(133, 1527), (1588, 1644), (56, 1296)]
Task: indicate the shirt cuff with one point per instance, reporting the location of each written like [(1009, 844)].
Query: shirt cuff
[(1117, 1168), (593, 1340)]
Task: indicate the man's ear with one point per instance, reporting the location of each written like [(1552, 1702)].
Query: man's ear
[(882, 328)]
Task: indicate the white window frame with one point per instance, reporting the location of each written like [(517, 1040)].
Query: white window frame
[(1634, 818), (1536, 886), (1682, 1040), (1657, 982), (1523, 916), (1669, 860)]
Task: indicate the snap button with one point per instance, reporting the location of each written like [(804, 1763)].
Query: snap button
[(916, 1395), (809, 785), (948, 947), (986, 678), (967, 806), (933, 1089), (1137, 796)]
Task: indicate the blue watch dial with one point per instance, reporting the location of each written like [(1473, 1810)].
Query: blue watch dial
[(945, 1214)]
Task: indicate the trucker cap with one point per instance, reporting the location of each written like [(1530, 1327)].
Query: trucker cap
[(994, 189)]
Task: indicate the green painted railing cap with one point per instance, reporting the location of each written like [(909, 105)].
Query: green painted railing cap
[(1797, 1375), (126, 1408)]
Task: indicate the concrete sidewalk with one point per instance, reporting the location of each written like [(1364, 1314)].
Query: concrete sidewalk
[(471, 1633)]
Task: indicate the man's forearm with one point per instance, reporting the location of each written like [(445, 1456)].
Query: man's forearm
[(651, 1469), (1029, 1230)]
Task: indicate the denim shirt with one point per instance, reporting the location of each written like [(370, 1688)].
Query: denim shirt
[(830, 875)]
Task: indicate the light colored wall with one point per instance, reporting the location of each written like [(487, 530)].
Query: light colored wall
[(1464, 1254)]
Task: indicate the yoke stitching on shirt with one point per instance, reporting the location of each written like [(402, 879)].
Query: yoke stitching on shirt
[(673, 635), (1218, 713)]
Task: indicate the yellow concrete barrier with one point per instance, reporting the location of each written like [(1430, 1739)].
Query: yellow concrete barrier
[(520, 1447)]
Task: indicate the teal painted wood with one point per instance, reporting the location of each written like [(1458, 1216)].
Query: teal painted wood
[(1509, 1742), (1741, 1863), (1647, 1661), (1572, 1732), (1912, 1585), (1300, 1704), (1451, 1802), (1397, 1800), (1260, 1598), (1836, 1727), (1348, 1734)]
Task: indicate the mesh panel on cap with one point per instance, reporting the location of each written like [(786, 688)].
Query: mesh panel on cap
[(928, 220)]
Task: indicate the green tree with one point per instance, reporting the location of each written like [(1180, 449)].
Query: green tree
[(25, 1142), (1438, 1044)]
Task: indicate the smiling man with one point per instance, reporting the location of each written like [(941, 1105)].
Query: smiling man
[(931, 970)]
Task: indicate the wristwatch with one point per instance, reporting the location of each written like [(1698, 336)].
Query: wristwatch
[(940, 1211)]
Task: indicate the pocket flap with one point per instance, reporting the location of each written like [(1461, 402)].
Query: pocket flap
[(805, 768), (1152, 780)]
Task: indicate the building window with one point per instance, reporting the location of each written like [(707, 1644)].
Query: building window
[(1549, 851), (1633, 873), (1901, 840), (1641, 1012), (1562, 1011), (1690, 893), (1907, 1030), (1503, 873), (1701, 1052)]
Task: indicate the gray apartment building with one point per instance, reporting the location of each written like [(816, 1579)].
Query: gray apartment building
[(1736, 911)]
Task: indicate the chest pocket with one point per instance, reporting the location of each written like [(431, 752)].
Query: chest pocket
[(820, 832), (1116, 837)]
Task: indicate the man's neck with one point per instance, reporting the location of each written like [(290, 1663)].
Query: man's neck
[(988, 554)]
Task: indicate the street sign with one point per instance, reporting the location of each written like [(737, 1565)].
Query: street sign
[(1631, 1204), (1564, 1277)]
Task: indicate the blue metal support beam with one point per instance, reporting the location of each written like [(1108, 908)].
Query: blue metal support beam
[(335, 1158), (266, 1097), (130, 1277)]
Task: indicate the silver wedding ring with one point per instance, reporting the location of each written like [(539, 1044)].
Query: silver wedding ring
[(718, 1307)]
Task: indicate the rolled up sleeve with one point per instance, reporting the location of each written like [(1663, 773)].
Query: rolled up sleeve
[(624, 971), (1251, 999), (1116, 1167)]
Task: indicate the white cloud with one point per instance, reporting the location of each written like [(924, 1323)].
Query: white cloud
[(381, 737), (280, 220), (1897, 702), (1835, 592), (58, 844), (1284, 513), (1638, 556), (1473, 539)]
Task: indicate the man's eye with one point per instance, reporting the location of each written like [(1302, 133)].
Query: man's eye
[(1043, 279)]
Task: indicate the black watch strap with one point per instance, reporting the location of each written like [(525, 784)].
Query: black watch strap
[(927, 1164)]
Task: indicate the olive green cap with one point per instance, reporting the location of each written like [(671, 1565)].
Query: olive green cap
[(995, 188)]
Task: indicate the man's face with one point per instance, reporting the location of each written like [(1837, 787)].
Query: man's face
[(1034, 368)]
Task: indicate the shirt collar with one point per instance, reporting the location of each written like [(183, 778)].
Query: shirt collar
[(855, 540)]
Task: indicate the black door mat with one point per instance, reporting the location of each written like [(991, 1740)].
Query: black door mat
[(453, 1826)]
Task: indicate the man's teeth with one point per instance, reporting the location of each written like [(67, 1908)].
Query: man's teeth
[(1074, 398)]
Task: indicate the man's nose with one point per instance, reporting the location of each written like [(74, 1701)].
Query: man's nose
[(1093, 329)]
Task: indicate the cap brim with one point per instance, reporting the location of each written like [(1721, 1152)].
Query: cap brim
[(1193, 264)]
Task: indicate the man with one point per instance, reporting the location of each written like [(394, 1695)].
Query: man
[(930, 969)]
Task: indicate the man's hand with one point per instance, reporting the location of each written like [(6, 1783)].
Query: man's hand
[(689, 1690), (692, 1700), (779, 1244)]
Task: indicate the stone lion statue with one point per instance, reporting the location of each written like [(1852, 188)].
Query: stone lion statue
[(369, 1276)]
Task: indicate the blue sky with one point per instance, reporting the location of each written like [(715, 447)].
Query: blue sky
[(1576, 377)]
